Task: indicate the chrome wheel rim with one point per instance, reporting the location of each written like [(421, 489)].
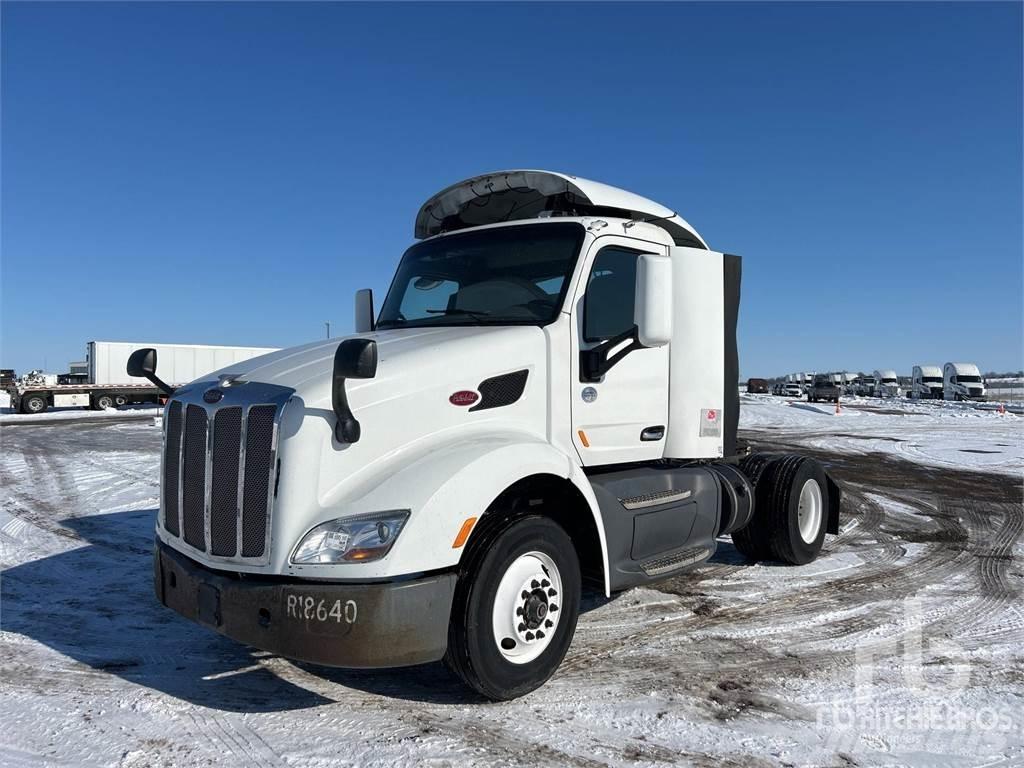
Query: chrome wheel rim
[(527, 607), (809, 511)]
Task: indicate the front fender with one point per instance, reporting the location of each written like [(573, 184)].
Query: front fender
[(442, 488)]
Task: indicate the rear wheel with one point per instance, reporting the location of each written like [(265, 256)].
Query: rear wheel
[(790, 512), (120, 399), (515, 608), (102, 402)]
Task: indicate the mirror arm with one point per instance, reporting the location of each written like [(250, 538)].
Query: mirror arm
[(160, 384), (595, 363)]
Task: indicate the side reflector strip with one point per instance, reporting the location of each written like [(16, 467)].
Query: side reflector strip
[(464, 532), (583, 438)]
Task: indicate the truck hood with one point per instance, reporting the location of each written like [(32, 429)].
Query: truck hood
[(407, 360)]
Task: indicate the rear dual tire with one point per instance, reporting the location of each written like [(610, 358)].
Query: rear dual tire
[(790, 510), (519, 579)]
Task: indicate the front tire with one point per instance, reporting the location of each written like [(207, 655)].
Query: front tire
[(33, 404), (515, 608)]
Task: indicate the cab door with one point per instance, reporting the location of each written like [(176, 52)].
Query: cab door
[(622, 415)]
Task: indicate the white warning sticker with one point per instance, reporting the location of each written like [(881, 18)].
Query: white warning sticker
[(710, 422)]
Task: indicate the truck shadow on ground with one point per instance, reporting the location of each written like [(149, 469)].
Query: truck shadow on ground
[(94, 604)]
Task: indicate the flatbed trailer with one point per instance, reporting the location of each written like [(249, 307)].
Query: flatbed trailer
[(36, 399), (109, 385)]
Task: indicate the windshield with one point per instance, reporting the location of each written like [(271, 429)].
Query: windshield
[(969, 379), (509, 276), (888, 381), (931, 379)]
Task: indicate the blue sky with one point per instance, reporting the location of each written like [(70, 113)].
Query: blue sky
[(230, 174)]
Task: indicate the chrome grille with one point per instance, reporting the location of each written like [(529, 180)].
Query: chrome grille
[(172, 463), (219, 470), (259, 460), (227, 444), (193, 477)]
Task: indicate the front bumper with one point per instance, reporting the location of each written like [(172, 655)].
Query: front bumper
[(338, 624)]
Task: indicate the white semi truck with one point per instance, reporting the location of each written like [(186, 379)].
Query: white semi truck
[(887, 384), (108, 384), (962, 381), (547, 395), (925, 383)]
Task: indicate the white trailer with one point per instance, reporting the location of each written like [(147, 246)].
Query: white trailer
[(110, 386), (926, 383), (548, 394), (962, 381), (887, 384)]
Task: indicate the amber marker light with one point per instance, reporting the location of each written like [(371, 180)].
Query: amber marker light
[(464, 532), (583, 438)]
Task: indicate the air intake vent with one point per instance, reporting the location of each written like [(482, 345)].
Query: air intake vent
[(501, 390)]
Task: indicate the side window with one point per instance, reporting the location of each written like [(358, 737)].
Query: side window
[(611, 294)]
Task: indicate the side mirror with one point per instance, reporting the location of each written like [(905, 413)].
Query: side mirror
[(354, 359), (365, 319), (142, 363), (652, 311)]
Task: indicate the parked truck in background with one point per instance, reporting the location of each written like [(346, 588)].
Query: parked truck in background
[(757, 386), (823, 387), (925, 383), (108, 385), (962, 381), (549, 393), (887, 384)]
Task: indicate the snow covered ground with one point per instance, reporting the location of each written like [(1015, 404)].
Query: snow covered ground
[(934, 432), (900, 645)]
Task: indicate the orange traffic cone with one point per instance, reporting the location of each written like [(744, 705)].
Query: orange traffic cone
[(838, 409)]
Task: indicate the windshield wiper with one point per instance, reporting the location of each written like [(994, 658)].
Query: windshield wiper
[(476, 314)]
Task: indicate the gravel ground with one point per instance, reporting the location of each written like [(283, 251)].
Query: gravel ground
[(901, 645)]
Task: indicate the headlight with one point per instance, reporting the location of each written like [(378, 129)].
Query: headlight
[(351, 539)]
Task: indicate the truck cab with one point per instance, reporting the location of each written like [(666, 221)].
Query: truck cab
[(547, 395), (926, 383), (887, 384), (962, 381)]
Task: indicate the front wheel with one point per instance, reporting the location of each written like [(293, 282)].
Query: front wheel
[(33, 404), (515, 608)]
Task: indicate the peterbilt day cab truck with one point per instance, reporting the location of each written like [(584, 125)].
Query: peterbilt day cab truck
[(962, 381), (547, 395), (925, 383), (108, 385)]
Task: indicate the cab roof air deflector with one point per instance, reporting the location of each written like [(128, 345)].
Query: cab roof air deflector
[(522, 194)]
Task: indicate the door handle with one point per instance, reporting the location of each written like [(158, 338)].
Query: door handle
[(650, 434)]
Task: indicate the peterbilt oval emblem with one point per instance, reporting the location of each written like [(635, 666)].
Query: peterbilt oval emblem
[(213, 395), (463, 397)]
